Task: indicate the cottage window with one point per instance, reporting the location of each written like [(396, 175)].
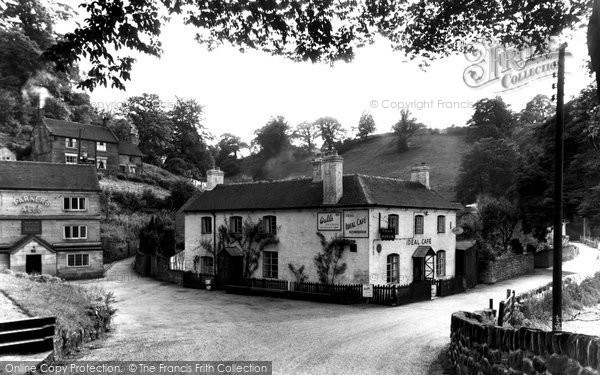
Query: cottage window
[(235, 224), (269, 224), (101, 163), (440, 265), (70, 158), (70, 142), (101, 146), (78, 260), (75, 232), (441, 224), (393, 268), (353, 247), (206, 265), (419, 223), (132, 169), (393, 222), (74, 204), (206, 225), (270, 269)]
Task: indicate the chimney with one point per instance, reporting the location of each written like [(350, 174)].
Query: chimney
[(105, 122), (420, 173), (134, 136), (332, 174), (214, 177), (41, 113), (317, 168)]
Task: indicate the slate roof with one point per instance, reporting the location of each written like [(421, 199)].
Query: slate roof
[(359, 191), (71, 130), (127, 148), (27, 175)]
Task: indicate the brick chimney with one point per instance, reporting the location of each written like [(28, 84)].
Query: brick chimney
[(317, 166), (41, 113), (332, 174), (420, 173), (214, 177)]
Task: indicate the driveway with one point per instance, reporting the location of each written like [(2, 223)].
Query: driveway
[(161, 321)]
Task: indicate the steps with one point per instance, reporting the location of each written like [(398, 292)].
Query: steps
[(33, 335)]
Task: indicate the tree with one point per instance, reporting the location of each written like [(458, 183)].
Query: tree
[(307, 133), (273, 137), (366, 125), (491, 119), (498, 220), (331, 131), (487, 168), (405, 128), (536, 110), (227, 153), (328, 260)]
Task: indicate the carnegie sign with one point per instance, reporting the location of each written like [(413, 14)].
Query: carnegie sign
[(356, 224)]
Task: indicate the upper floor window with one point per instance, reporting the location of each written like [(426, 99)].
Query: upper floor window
[(269, 224), (393, 268), (235, 224), (394, 222), (70, 158), (440, 265), (74, 232), (71, 142), (206, 225), (441, 224), (419, 224), (270, 264), (101, 146), (74, 204), (101, 163), (78, 260)]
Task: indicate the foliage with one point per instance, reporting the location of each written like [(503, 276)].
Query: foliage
[(366, 125), (181, 192), (491, 119), (405, 128), (498, 220), (488, 167), (251, 241), (307, 133), (227, 155), (158, 236), (536, 111), (331, 131), (298, 272), (273, 137), (328, 260)]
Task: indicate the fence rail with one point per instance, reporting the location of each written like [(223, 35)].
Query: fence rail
[(507, 308)]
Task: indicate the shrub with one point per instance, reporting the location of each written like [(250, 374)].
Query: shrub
[(158, 236), (120, 176), (135, 178)]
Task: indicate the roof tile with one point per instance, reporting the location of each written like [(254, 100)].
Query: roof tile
[(71, 130), (27, 175)]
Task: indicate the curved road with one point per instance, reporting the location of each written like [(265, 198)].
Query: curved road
[(161, 321)]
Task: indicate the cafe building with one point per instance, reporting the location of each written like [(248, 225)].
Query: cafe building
[(399, 231), (50, 219)]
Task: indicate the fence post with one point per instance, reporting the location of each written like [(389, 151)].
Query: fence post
[(491, 303), (501, 314)]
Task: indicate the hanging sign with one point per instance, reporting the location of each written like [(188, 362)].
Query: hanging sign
[(329, 221), (356, 224)]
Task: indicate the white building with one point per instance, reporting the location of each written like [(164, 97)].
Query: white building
[(6, 154), (401, 230)]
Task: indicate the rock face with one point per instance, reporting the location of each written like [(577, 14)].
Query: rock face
[(481, 348)]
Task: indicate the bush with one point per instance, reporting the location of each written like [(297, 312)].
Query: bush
[(158, 236), (120, 176), (135, 178)]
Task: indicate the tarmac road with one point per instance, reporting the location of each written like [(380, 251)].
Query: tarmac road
[(161, 321)]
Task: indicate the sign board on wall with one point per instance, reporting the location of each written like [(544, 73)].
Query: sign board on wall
[(31, 227), (329, 221), (356, 224), (367, 291)]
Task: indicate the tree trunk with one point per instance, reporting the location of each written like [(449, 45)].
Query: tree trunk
[(593, 42)]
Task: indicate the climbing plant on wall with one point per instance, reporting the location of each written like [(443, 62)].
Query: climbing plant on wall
[(328, 260)]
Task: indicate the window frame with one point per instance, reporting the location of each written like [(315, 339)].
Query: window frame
[(440, 263), (103, 159), (70, 142), (269, 224), (391, 218), (101, 146), (79, 231), (72, 199), (84, 256), (233, 222), (393, 268), (270, 264), (443, 226), (204, 227), (70, 155), (419, 229)]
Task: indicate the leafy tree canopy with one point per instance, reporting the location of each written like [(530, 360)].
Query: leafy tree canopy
[(491, 119)]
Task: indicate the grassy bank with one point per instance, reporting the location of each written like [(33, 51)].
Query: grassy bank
[(75, 307)]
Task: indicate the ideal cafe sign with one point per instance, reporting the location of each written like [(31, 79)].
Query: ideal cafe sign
[(31, 204), (356, 224)]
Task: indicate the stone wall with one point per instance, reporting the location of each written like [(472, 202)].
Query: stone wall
[(478, 347), (506, 267), (157, 267)]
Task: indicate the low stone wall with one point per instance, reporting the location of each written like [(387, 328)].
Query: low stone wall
[(505, 268), (477, 347), (157, 267), (545, 258)]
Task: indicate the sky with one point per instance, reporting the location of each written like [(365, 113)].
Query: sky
[(241, 91)]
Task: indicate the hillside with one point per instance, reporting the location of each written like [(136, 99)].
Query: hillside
[(378, 156)]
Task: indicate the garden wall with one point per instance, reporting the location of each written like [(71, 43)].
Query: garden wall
[(477, 347), (158, 267), (506, 267)]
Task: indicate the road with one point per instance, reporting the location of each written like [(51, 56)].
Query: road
[(161, 321)]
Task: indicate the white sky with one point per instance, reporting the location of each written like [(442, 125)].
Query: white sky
[(240, 92)]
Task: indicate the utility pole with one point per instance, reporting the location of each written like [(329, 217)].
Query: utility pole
[(558, 194)]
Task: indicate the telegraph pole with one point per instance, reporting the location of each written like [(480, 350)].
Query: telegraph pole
[(558, 194)]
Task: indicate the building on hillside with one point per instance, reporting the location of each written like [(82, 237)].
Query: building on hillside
[(66, 142), (50, 219), (400, 231), (7, 154)]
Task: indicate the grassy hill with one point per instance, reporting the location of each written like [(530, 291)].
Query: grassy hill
[(378, 156)]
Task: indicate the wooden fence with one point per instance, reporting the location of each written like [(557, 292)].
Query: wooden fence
[(196, 280), (590, 241), (507, 308), (451, 286)]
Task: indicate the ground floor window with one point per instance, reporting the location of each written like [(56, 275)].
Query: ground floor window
[(101, 163), (71, 158), (78, 260), (441, 263), (72, 232), (393, 268), (270, 269), (206, 265)]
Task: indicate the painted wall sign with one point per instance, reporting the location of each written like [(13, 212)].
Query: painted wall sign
[(31, 227), (356, 224), (31, 204), (329, 221), (418, 241)]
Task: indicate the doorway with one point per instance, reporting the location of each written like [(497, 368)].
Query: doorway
[(33, 263)]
